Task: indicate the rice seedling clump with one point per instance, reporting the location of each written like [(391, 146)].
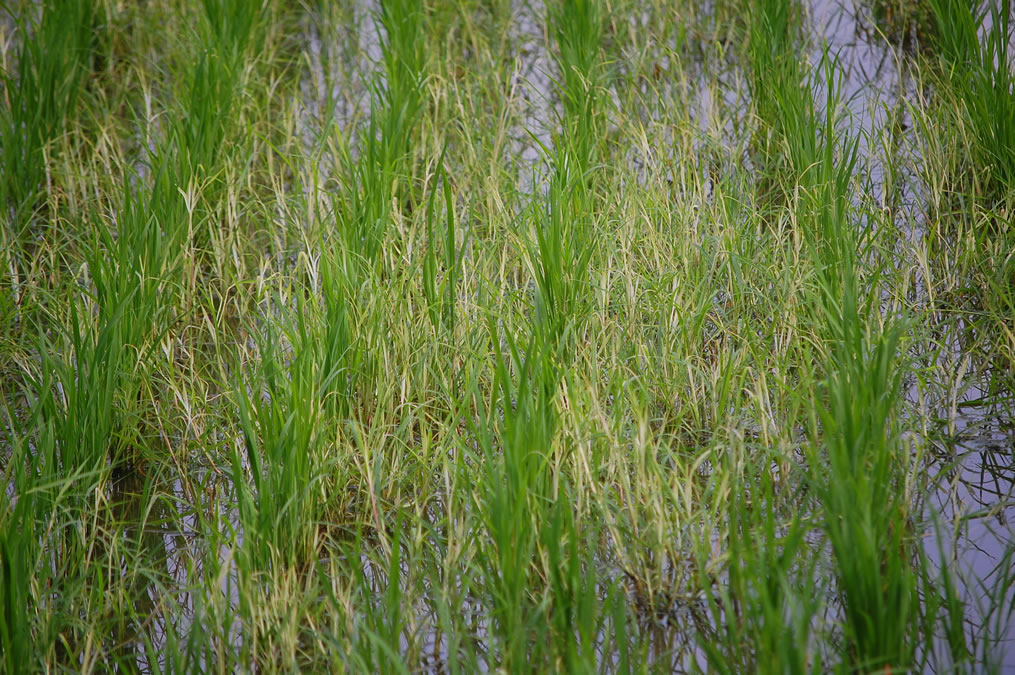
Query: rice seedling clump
[(516, 336)]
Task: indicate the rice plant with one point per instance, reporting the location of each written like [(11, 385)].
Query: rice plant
[(575, 336), (979, 72)]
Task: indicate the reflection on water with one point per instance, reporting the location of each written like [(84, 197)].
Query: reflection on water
[(974, 507)]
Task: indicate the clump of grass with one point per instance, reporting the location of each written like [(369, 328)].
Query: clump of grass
[(89, 388), (92, 415), (564, 246), (280, 417), (775, 82), (857, 476), (442, 298), (44, 78), (762, 617), (580, 601), (514, 434), (578, 29), (380, 172), (971, 205), (866, 523), (303, 371), (135, 266), (309, 372), (52, 65), (565, 237), (75, 542), (978, 73), (205, 137), (19, 542)]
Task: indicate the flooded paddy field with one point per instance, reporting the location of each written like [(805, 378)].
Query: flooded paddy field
[(507, 336)]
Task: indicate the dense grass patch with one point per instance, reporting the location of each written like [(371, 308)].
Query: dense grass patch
[(585, 336)]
